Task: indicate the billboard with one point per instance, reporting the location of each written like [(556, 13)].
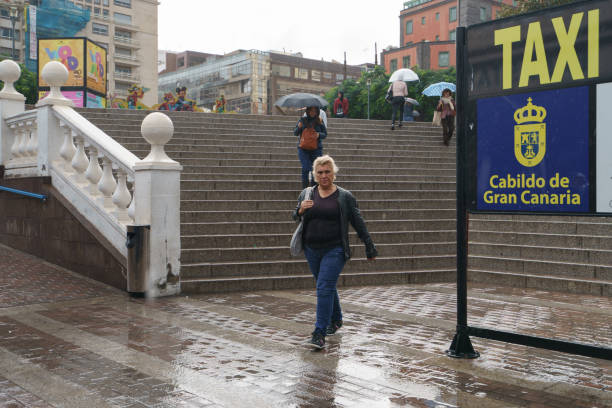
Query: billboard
[(75, 96), (68, 51), (96, 68), (95, 101)]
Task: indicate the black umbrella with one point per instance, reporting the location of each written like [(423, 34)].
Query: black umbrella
[(300, 100)]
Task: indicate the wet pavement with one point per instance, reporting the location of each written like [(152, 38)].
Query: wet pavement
[(66, 341)]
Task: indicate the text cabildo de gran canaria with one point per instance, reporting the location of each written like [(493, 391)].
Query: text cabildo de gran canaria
[(527, 183)]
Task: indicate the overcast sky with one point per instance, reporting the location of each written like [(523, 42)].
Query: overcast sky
[(317, 28)]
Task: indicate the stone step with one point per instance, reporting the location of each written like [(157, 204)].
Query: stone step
[(542, 239), (306, 281), (388, 214), (544, 282), (288, 226), (293, 193), (299, 266), (291, 162), (282, 239), (575, 255), (344, 171), (569, 226), (288, 205), (279, 253), (390, 178), (245, 185), (557, 268)]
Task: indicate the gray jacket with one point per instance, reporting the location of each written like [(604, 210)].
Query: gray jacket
[(349, 213)]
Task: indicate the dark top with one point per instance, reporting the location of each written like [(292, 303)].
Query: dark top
[(322, 222)]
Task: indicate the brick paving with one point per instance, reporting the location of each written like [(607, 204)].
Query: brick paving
[(246, 349)]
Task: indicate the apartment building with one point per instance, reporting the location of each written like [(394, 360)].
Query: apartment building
[(126, 28), (428, 31)]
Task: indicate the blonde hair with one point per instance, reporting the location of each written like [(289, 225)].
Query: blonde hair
[(323, 161)]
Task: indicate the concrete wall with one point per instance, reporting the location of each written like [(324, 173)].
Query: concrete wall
[(50, 231)]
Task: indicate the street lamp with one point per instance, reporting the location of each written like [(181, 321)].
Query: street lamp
[(13, 15), (368, 83)]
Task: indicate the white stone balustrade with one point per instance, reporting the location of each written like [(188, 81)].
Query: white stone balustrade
[(11, 104), (22, 129)]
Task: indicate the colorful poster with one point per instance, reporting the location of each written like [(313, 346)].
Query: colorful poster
[(95, 101), (74, 96), (68, 51), (96, 68), (604, 149), (533, 152)]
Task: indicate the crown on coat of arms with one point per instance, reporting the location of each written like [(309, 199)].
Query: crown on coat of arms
[(530, 113)]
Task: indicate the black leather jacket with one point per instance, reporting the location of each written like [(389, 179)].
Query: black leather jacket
[(349, 213)]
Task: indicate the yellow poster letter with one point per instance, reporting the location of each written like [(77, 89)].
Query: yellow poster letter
[(594, 43), (505, 38), (567, 52), (538, 67)]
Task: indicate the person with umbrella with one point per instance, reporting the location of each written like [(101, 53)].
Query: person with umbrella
[(398, 91), (310, 124), (448, 110)]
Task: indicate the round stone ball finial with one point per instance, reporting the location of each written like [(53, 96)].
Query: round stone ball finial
[(55, 74), (9, 73), (157, 129)]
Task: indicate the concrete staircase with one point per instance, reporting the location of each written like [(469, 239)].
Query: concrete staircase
[(241, 180)]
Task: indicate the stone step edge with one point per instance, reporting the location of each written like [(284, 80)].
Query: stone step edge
[(289, 234), (520, 233), (496, 244), (542, 261), (301, 259), (286, 247), (294, 223)]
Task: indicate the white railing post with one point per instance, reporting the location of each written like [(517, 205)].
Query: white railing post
[(157, 203), (11, 103)]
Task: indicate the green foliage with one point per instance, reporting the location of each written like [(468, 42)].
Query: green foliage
[(26, 85), (525, 6), (357, 93)]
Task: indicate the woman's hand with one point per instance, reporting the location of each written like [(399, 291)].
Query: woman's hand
[(300, 124), (306, 204)]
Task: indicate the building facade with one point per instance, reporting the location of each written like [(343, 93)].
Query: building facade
[(428, 31), (251, 80), (126, 28)]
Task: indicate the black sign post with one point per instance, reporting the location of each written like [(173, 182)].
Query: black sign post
[(527, 92)]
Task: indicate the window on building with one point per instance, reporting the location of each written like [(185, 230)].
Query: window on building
[(4, 13), (245, 86), (126, 52), (126, 35), (452, 35), (406, 61), (327, 75), (437, 38), (315, 75), (423, 20), (8, 33), (452, 14), (123, 19), (123, 3), (484, 15), (105, 3), (101, 29), (120, 69), (180, 62), (281, 70), (393, 65), (105, 12), (409, 27), (437, 16), (97, 1), (339, 77), (97, 11), (443, 59), (301, 73)]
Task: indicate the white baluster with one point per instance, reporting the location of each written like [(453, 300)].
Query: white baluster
[(107, 185), (67, 150), (132, 207), (122, 198), (16, 141), (80, 162), (32, 148), (94, 172), (25, 139)]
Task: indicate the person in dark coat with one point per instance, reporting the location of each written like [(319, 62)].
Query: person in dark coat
[(341, 106), (307, 157)]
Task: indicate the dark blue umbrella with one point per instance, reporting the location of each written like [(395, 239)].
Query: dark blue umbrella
[(437, 88)]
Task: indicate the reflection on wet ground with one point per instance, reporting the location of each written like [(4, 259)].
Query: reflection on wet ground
[(67, 341)]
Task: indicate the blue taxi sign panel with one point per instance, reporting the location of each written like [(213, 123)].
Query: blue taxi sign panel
[(533, 152)]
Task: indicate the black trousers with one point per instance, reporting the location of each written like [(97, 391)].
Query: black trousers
[(397, 104), (448, 127)]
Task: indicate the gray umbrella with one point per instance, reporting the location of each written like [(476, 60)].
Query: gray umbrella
[(300, 100)]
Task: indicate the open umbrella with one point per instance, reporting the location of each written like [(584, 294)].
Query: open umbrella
[(404, 74), (437, 88), (412, 101), (300, 100)]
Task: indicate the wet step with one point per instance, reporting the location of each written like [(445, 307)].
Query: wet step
[(293, 193)]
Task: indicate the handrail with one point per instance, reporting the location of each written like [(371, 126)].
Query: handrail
[(27, 115), (41, 197)]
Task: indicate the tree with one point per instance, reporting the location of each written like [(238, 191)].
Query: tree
[(357, 93), (26, 85), (525, 6)]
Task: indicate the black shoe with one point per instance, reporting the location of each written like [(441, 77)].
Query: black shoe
[(400, 125), (333, 328), (317, 341)]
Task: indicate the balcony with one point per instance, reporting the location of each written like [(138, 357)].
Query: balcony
[(126, 78), (131, 60), (125, 25), (127, 41)]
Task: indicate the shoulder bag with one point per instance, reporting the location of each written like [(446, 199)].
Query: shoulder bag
[(297, 246), (309, 139)]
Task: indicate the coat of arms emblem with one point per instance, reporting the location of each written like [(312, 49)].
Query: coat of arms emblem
[(530, 134)]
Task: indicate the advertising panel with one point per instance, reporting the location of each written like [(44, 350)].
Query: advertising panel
[(95, 101), (68, 51), (604, 148), (96, 68), (533, 152), (74, 96)]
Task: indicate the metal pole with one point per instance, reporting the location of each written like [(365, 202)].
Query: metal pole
[(369, 83), (461, 346), (13, 18)]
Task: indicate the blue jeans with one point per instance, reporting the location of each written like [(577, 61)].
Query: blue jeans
[(307, 157), (326, 265)]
